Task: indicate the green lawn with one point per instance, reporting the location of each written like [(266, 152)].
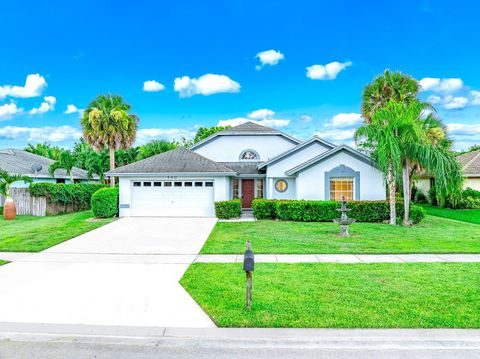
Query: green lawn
[(3, 262), (433, 235), (34, 234), (321, 295), (464, 215)]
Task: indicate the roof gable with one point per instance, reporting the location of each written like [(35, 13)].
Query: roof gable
[(322, 157), (179, 160), (470, 162), (296, 149), (246, 129)]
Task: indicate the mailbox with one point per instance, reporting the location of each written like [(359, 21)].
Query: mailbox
[(248, 261)]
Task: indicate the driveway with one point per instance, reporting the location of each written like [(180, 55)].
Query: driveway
[(124, 273)]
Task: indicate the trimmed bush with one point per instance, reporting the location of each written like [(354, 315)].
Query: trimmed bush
[(264, 208), (228, 209), (417, 214), (326, 211), (75, 195), (104, 203)]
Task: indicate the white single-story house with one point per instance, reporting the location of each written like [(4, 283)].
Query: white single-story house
[(247, 161), (470, 163), (21, 162)]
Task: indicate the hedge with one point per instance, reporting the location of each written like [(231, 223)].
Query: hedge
[(75, 195), (326, 211), (228, 209), (104, 203)]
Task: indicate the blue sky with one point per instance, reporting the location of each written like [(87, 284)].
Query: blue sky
[(303, 64)]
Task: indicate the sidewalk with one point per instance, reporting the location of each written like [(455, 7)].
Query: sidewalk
[(236, 258)]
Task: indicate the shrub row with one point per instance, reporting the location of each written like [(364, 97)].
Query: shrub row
[(104, 203), (76, 195), (228, 209), (326, 211), (469, 199)]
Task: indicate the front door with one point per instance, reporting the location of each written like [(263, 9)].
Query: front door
[(248, 192)]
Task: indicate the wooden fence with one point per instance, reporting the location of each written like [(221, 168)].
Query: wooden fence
[(27, 204)]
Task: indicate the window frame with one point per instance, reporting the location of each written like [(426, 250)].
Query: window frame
[(341, 190), (257, 156)]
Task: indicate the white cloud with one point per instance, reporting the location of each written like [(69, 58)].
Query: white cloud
[(475, 97), (261, 114), (40, 134), (461, 129), (269, 57), (207, 84), (262, 117), (269, 122), (339, 135), (328, 71), (434, 99), (8, 110), (47, 105), (34, 86), (153, 86), (148, 134), (345, 120), (446, 85), (451, 102), (305, 118), (73, 109)]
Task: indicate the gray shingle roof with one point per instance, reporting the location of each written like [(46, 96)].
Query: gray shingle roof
[(16, 161), (179, 160), (250, 127), (243, 168), (470, 162), (247, 129)]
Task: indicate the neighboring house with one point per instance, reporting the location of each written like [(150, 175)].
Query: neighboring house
[(471, 172), (247, 161), (16, 161)]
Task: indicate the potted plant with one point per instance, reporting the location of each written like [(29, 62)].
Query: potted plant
[(9, 210)]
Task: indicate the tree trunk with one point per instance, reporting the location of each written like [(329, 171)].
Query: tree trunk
[(111, 152), (391, 194), (406, 193)]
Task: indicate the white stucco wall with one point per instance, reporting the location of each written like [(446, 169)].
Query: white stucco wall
[(229, 148), (278, 169), (423, 185), (310, 183), (473, 183), (272, 193), (221, 188)]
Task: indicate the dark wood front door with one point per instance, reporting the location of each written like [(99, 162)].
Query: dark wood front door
[(248, 192)]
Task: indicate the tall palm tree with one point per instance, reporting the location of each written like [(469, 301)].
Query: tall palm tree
[(107, 122), (388, 86), (65, 161), (6, 180)]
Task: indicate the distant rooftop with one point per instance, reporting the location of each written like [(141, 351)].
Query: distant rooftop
[(470, 162), (16, 161)]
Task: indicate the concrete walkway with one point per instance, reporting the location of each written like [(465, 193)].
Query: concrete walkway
[(61, 257), (124, 273), (341, 258)]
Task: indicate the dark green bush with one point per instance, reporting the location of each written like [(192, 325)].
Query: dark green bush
[(264, 208), (417, 214), (326, 211), (420, 197), (471, 193), (76, 195), (228, 209), (104, 202)]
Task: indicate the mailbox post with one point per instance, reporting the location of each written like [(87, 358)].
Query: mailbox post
[(248, 264)]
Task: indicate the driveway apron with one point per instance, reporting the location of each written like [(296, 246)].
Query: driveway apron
[(113, 275)]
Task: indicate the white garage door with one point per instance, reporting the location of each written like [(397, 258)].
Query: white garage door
[(176, 198)]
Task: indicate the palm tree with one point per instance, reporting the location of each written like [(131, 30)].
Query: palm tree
[(107, 122), (66, 161), (382, 137), (6, 180), (388, 86)]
